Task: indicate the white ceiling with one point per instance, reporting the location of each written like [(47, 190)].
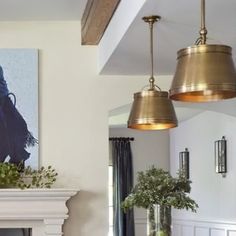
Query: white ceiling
[(126, 43), (177, 29), (14, 10)]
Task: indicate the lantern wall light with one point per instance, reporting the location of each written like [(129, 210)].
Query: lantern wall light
[(221, 156), (184, 162)]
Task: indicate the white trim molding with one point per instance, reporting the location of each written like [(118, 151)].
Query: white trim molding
[(43, 210), (186, 227)]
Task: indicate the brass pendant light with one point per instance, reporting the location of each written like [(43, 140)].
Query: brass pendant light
[(204, 72), (152, 109)]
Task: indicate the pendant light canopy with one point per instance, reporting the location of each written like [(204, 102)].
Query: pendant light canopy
[(152, 109), (204, 72)]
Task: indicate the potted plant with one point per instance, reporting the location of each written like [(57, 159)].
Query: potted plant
[(157, 191)]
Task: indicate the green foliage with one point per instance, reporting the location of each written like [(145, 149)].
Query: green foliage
[(9, 175), (13, 176), (156, 186), (42, 178)]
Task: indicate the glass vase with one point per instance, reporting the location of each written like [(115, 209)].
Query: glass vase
[(158, 220)]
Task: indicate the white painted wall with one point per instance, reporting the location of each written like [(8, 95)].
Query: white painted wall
[(149, 148), (74, 104), (214, 194)]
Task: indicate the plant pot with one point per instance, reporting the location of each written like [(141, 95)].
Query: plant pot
[(158, 220)]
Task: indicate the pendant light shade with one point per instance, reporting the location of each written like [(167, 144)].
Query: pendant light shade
[(204, 72), (152, 109)]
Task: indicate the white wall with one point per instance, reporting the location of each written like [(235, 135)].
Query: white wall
[(149, 148), (214, 194), (74, 104)]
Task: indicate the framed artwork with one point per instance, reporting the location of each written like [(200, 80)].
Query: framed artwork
[(19, 106)]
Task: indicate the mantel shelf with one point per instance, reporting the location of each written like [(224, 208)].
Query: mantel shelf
[(34, 207), (36, 192)]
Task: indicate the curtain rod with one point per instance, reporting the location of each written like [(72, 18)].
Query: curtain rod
[(121, 138)]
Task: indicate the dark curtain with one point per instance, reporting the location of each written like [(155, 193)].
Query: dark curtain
[(27, 232), (122, 185)]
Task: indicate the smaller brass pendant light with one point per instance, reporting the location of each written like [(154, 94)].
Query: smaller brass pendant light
[(204, 72), (152, 109)]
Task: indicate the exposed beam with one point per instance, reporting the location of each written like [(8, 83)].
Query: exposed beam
[(95, 20)]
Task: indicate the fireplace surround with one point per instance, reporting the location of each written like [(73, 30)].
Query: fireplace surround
[(42, 210)]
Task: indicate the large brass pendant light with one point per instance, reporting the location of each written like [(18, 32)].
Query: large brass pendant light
[(204, 72), (152, 109)]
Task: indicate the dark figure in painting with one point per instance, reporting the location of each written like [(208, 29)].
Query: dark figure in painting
[(14, 134)]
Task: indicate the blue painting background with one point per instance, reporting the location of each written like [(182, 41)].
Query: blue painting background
[(20, 67)]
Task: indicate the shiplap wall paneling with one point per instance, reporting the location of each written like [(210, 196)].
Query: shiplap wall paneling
[(140, 226), (218, 232), (187, 230), (140, 229), (231, 233), (176, 230), (202, 231), (203, 228)]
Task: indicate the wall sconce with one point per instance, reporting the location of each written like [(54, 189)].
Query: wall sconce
[(184, 162), (221, 156)]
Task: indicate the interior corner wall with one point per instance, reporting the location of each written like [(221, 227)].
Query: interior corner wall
[(74, 102), (148, 148), (214, 194)]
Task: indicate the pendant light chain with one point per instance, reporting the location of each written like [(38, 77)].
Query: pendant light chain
[(151, 80), (203, 31), (151, 20)]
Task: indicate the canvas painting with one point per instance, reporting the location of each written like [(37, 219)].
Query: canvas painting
[(19, 106)]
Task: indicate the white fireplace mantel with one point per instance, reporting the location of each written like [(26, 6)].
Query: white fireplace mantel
[(43, 210)]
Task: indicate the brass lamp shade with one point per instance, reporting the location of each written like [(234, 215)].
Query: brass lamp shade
[(152, 110), (204, 73)]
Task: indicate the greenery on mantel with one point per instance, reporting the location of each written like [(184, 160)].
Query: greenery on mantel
[(13, 176), (156, 186)]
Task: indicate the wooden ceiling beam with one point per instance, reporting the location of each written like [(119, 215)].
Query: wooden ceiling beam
[(95, 20)]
